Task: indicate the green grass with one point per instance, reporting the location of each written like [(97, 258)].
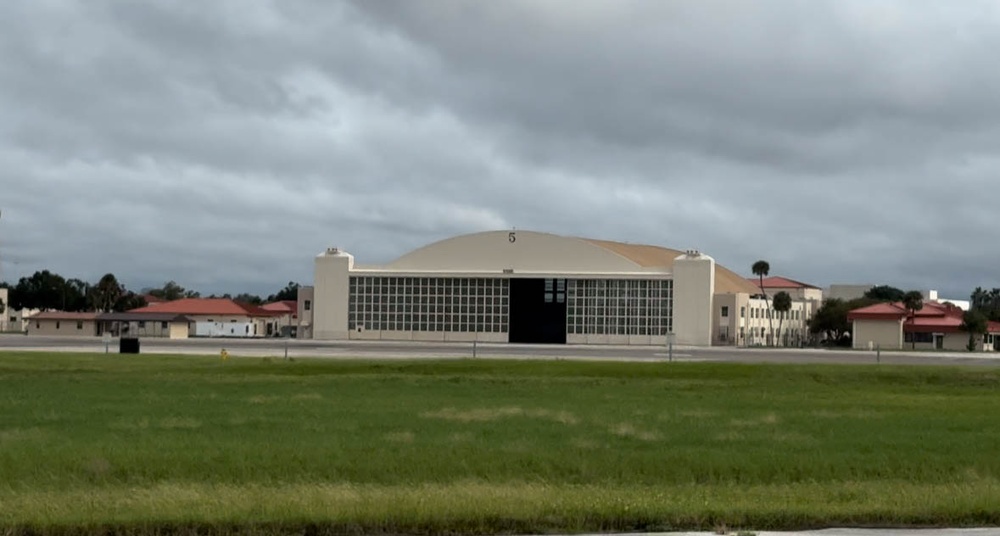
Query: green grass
[(136, 444)]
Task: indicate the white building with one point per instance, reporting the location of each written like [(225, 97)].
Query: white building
[(531, 287)]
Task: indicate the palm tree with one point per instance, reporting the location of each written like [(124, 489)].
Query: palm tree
[(761, 269), (913, 301), (782, 304), (973, 323)]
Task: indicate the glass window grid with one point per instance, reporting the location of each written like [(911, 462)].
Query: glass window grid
[(619, 307), (434, 304)]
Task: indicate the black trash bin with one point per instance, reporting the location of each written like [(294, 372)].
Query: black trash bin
[(128, 345)]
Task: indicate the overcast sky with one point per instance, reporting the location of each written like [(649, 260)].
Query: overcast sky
[(223, 144)]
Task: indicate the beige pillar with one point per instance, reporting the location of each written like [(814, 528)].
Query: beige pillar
[(331, 290), (694, 289)]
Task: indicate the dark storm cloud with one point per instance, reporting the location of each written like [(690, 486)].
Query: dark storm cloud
[(224, 144)]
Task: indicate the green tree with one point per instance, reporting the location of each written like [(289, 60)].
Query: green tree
[(42, 290), (885, 293), (913, 301), (761, 269), (974, 323), (246, 297), (172, 291), (782, 303), (830, 320), (129, 300), (290, 292), (106, 294), (75, 295), (986, 302)]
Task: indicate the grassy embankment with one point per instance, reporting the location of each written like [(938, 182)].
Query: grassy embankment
[(142, 443)]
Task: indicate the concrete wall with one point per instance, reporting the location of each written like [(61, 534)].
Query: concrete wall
[(17, 321), (331, 289), (886, 334), (952, 342), (150, 329), (179, 330), (305, 312), (70, 328), (694, 290), (797, 293), (726, 329), (426, 336)]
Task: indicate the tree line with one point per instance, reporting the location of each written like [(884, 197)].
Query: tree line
[(48, 291)]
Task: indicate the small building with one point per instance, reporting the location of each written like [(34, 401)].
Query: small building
[(286, 317), (218, 317), (305, 312), (61, 323), (144, 325), (936, 326)]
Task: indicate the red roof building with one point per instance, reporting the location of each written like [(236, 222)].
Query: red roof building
[(287, 312), (223, 307), (290, 307), (934, 326)]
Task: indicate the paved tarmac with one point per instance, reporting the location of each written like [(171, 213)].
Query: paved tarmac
[(843, 532), (426, 350)]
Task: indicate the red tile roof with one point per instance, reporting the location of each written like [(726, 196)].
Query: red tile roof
[(284, 306), (933, 317), (879, 311), (779, 282), (205, 306), (150, 299), (62, 315)]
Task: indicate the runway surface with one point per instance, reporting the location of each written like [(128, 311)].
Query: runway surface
[(423, 350)]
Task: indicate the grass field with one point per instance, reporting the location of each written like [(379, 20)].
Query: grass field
[(135, 444)]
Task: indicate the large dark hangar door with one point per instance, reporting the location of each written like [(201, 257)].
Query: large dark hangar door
[(538, 311)]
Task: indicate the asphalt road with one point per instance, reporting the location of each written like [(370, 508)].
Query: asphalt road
[(379, 349)]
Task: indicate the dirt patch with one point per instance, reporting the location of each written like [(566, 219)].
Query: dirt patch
[(180, 423), (769, 418), (261, 399), (731, 435), (495, 414), (585, 443), (625, 429), (400, 437), (12, 435), (460, 437)]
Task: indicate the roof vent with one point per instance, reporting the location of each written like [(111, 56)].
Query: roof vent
[(332, 251)]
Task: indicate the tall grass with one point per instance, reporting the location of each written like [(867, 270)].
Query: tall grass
[(489, 446)]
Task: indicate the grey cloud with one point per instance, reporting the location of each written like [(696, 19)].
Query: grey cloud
[(224, 144)]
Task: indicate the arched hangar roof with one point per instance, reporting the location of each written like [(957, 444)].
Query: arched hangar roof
[(536, 252)]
